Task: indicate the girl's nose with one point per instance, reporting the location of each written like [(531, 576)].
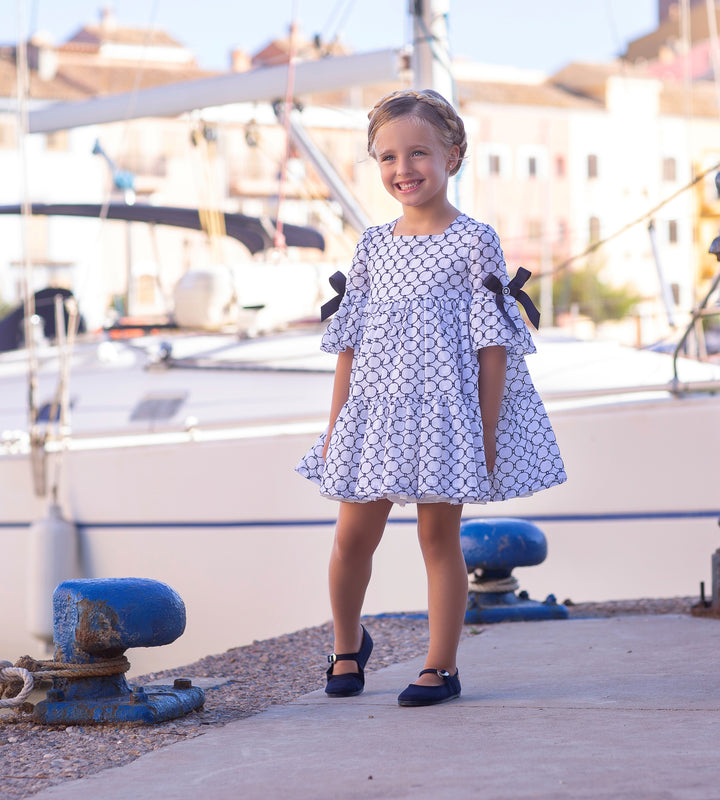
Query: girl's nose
[(402, 165)]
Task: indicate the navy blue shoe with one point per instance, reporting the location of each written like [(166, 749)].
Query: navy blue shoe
[(354, 682), (416, 695)]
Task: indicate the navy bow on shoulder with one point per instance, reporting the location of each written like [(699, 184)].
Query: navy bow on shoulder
[(513, 289), (337, 281)]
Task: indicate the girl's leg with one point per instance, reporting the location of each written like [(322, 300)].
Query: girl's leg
[(439, 535), (359, 529)]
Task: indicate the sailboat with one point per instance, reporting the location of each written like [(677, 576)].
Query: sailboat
[(171, 456)]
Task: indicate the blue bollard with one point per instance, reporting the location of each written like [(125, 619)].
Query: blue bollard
[(94, 622), (492, 548)]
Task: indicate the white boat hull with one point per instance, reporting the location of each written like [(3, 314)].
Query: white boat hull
[(222, 517)]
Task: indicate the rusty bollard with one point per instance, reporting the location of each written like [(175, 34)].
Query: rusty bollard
[(94, 622)]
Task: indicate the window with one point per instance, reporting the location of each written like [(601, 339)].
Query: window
[(57, 140), (592, 166), (38, 239), (496, 161), (672, 231), (534, 229), (594, 229), (7, 136), (561, 231), (532, 167), (669, 169)]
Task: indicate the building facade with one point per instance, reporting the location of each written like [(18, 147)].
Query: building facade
[(566, 167)]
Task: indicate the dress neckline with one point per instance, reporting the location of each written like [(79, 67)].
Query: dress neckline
[(391, 228)]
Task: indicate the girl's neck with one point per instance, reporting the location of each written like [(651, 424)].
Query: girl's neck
[(417, 222)]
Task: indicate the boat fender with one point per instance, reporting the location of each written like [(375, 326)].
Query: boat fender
[(54, 556)]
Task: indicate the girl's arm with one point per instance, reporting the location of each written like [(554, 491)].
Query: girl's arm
[(341, 390), (491, 386)]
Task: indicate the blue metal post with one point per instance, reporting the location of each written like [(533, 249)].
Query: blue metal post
[(96, 621), (492, 548)]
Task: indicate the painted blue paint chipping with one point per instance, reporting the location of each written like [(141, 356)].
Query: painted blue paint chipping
[(499, 544), (98, 619), (492, 548)]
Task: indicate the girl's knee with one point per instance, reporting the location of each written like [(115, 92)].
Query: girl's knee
[(439, 531), (353, 542), (439, 544), (360, 528)]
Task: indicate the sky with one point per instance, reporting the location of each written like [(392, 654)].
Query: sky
[(532, 34)]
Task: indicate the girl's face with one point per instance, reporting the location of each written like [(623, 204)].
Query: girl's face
[(414, 162)]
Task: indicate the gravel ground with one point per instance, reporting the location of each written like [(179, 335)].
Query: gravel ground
[(276, 671)]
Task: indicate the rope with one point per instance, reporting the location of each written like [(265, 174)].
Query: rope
[(11, 676), (486, 585), (16, 682)]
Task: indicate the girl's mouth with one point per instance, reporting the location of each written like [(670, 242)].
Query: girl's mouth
[(408, 186)]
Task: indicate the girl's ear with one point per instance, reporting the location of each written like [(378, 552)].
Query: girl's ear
[(453, 157)]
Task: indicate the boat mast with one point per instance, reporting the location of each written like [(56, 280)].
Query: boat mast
[(37, 441), (431, 63)]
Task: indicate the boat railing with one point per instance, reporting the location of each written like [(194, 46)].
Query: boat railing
[(675, 387), (696, 325)]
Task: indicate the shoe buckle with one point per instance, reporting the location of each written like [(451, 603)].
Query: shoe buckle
[(442, 673), (332, 658)]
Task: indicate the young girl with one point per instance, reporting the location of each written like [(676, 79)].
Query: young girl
[(432, 401)]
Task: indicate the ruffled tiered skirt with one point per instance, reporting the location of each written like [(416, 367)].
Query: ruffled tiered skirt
[(411, 429)]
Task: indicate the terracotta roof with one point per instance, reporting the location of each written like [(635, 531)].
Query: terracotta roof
[(590, 80), (77, 81), (543, 94), (100, 80), (278, 50), (668, 33), (95, 35), (702, 100)]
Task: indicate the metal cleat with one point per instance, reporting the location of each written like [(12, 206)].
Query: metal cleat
[(95, 621), (492, 548)]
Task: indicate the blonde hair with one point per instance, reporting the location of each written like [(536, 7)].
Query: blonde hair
[(427, 105)]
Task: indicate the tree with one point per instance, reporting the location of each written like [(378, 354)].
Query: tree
[(584, 291)]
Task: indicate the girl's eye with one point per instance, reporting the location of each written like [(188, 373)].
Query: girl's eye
[(386, 158), (418, 152)]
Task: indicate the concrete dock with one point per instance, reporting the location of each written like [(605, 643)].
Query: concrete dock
[(625, 707)]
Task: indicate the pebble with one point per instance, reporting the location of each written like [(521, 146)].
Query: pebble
[(258, 675)]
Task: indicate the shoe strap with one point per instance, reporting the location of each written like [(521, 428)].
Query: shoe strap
[(333, 657), (441, 673)]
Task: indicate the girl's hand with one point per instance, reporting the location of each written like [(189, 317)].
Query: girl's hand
[(341, 390), (491, 387), (490, 444)]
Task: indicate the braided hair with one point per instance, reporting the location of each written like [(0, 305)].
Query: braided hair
[(428, 105)]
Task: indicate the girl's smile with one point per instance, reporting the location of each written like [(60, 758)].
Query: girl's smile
[(408, 186)]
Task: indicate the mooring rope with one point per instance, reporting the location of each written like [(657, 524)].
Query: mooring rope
[(18, 680), (10, 677), (487, 585)]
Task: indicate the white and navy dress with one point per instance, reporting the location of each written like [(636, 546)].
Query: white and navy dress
[(416, 311)]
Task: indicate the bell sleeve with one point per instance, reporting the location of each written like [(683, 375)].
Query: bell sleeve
[(346, 325), (495, 318)]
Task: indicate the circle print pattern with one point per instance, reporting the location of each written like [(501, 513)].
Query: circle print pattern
[(415, 313)]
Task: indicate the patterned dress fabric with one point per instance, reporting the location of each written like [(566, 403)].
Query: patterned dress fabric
[(416, 312)]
